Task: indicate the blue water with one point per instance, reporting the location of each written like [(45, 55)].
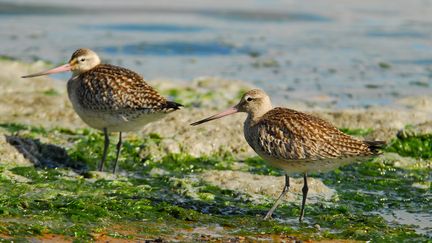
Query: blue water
[(328, 53), (260, 16), (163, 28), (176, 48), (398, 34)]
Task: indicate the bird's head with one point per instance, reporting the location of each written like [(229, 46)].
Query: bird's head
[(254, 102), (82, 60)]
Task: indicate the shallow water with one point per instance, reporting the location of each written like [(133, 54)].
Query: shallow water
[(422, 221), (330, 53)]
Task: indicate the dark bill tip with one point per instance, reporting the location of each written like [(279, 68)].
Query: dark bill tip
[(227, 112)]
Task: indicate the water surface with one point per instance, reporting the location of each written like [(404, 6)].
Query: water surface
[(330, 53)]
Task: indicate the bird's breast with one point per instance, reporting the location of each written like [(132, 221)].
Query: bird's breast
[(99, 109)]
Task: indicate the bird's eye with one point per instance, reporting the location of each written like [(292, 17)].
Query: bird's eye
[(249, 99), (82, 59)]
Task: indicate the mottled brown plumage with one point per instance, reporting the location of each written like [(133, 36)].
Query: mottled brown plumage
[(110, 98), (122, 89), (295, 141), (298, 142)]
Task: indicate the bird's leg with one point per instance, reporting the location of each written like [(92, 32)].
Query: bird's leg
[(279, 200), (305, 190), (119, 145), (105, 149)]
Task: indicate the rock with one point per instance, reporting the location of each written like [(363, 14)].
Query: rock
[(10, 156), (203, 92), (217, 136), (259, 186), (408, 163), (98, 175), (385, 123), (37, 101), (420, 103), (14, 177), (424, 128), (44, 155), (158, 172)]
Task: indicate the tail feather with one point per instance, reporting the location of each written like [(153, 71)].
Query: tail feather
[(375, 146), (171, 105)]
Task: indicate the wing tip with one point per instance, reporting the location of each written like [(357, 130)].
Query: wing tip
[(375, 146), (171, 105)]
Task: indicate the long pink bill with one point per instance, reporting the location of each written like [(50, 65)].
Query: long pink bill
[(228, 112), (59, 69)]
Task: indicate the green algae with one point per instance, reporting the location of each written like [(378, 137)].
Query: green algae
[(258, 166), (190, 97), (183, 96), (384, 65), (16, 127), (51, 92), (419, 146), (163, 204), (7, 58), (359, 132)]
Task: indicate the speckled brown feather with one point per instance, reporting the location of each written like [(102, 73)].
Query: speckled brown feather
[(79, 52), (287, 134), (109, 87)]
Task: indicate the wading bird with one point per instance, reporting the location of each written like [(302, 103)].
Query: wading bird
[(110, 98), (294, 141)]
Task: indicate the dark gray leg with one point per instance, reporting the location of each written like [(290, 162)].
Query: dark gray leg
[(119, 145), (279, 200), (305, 191), (105, 150)]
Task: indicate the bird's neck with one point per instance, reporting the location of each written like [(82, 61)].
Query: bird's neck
[(256, 114), (74, 75), (78, 72)]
